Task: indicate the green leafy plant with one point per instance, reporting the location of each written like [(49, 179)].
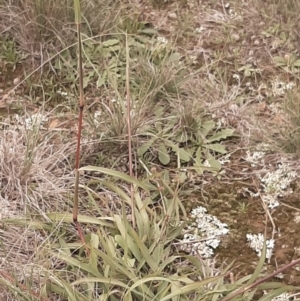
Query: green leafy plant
[(290, 63), (9, 52), (249, 70), (196, 143)]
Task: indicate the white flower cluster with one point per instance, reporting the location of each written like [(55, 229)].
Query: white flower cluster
[(160, 44), (202, 236), (270, 200), (283, 297), (279, 88), (97, 116), (275, 184), (256, 243), (35, 120), (254, 158), (278, 181)]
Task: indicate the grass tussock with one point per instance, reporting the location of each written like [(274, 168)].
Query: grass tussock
[(35, 172), (43, 28)]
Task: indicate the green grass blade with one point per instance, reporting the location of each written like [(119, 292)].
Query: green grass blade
[(190, 288), (77, 11), (116, 174), (76, 263), (111, 281), (68, 218), (144, 250), (271, 295)]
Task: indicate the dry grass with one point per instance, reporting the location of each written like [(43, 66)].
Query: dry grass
[(35, 172), (218, 43), (41, 29)]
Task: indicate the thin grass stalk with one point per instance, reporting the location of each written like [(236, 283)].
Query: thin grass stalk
[(129, 132), (80, 118)]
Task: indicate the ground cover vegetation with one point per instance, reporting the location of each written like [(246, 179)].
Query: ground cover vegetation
[(188, 178)]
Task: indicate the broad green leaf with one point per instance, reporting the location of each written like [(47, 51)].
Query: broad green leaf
[(33, 224), (182, 177), (101, 80), (207, 126), (115, 264), (145, 147), (166, 262), (183, 155), (198, 155), (114, 173), (68, 218), (126, 240), (110, 281), (215, 164), (144, 250), (181, 137), (247, 72), (142, 216), (76, 263), (149, 31), (163, 155), (158, 252), (142, 150), (248, 66), (77, 11), (94, 243), (223, 134), (174, 57), (70, 292), (163, 289), (148, 279), (175, 285), (216, 147), (110, 42), (296, 63), (279, 61), (64, 246)]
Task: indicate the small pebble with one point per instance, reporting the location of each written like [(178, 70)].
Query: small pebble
[(16, 81), (235, 37), (172, 16)]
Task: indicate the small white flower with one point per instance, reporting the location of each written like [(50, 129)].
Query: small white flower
[(279, 87), (206, 163), (199, 29), (162, 40), (254, 158), (256, 242)]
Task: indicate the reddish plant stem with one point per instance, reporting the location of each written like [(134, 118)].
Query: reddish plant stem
[(23, 287), (77, 159), (258, 282)]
